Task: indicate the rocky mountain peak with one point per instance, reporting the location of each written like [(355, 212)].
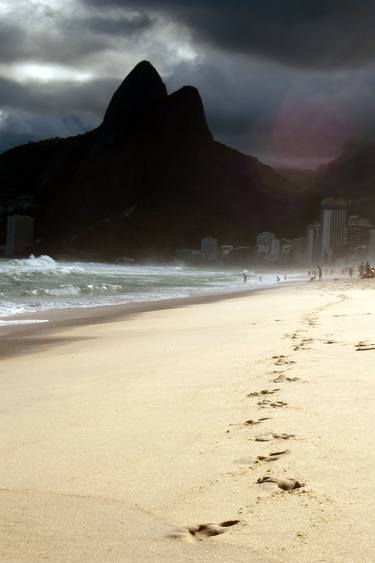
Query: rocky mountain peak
[(139, 93), (186, 114)]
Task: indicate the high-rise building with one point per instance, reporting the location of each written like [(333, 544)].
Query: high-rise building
[(265, 243), (209, 248), (371, 245), (19, 235), (358, 236), (312, 244), (333, 227), (298, 250)]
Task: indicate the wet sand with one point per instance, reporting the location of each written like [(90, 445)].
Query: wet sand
[(232, 430)]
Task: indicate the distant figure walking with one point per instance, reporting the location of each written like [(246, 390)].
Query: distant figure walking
[(260, 279), (350, 270), (245, 276), (278, 279), (319, 272)]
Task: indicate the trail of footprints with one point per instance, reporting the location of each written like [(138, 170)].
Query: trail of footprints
[(283, 364), (289, 484)]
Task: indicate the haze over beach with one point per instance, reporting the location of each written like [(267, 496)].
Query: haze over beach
[(187, 276)]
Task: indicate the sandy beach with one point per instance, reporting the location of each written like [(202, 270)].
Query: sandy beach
[(228, 431)]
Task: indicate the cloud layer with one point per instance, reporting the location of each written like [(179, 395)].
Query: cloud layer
[(306, 33), (288, 81)]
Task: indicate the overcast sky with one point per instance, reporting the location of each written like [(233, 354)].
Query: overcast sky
[(289, 81)]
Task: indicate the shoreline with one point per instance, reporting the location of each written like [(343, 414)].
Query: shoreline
[(26, 338)]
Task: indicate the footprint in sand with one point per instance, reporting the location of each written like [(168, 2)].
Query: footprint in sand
[(286, 484), (263, 392), (364, 346), (252, 422), (280, 378), (202, 531), (268, 436), (273, 456), (282, 361), (302, 346), (264, 403)]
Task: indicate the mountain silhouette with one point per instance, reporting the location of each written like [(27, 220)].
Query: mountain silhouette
[(148, 180), (350, 177)]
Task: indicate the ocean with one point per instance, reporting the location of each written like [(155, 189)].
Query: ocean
[(39, 284)]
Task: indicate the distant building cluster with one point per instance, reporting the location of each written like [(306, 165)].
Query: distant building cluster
[(338, 238)]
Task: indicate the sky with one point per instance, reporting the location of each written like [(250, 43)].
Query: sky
[(289, 81)]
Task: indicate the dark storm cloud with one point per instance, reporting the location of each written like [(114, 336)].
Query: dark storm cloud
[(123, 25), (12, 42), (57, 97), (306, 33), (58, 109), (63, 38)]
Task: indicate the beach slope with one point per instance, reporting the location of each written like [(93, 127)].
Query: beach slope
[(228, 431)]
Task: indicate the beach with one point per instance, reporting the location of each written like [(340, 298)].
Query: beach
[(226, 430)]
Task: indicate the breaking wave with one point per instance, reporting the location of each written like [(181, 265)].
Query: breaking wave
[(42, 283)]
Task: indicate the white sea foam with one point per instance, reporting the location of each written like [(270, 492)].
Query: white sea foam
[(42, 283), (23, 322)]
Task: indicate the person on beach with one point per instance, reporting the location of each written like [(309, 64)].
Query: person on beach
[(278, 279), (260, 279), (350, 270), (319, 272), (245, 276)]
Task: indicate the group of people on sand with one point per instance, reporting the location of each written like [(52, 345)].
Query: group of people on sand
[(317, 273), (364, 270), (245, 277)]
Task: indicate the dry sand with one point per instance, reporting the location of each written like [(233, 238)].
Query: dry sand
[(119, 437)]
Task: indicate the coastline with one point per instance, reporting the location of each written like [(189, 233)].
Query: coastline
[(123, 442), (26, 338)]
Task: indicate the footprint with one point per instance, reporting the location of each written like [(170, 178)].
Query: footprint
[(282, 360), (202, 531), (286, 484), (273, 456), (268, 436), (264, 403), (280, 378), (303, 344), (263, 392), (251, 422), (364, 346)]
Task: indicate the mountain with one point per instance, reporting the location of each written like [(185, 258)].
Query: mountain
[(351, 177), (149, 179)]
